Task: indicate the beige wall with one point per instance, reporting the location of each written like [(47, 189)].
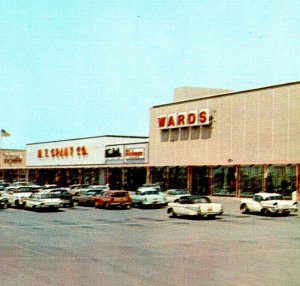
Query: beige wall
[(252, 127)]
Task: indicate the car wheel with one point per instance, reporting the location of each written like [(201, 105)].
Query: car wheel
[(107, 206), (244, 209), (173, 214), (264, 212), (4, 206)]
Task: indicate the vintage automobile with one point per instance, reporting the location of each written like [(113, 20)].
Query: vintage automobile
[(16, 195), (63, 194), (77, 188), (87, 198), (147, 196), (38, 201), (268, 203), (113, 198), (173, 194), (195, 205)]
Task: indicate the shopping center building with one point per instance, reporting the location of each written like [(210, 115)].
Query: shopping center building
[(12, 164), (118, 160), (228, 143), (210, 141)]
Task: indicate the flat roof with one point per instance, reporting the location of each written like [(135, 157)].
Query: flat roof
[(92, 137), (229, 93)]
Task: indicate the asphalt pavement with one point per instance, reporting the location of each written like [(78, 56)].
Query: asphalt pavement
[(88, 246)]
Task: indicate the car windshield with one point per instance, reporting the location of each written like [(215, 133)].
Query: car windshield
[(90, 193), (54, 195), (194, 200), (277, 197), (45, 196), (180, 192), (118, 194), (23, 190), (149, 193), (200, 200)]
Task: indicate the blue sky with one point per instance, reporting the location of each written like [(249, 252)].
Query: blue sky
[(73, 69)]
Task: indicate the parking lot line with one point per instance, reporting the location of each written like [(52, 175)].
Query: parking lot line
[(33, 251)]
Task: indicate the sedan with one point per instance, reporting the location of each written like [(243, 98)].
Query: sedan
[(113, 198), (38, 201), (173, 194), (194, 205), (87, 198), (268, 203)]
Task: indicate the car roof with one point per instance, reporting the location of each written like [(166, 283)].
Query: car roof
[(115, 191), (265, 195), (144, 189)]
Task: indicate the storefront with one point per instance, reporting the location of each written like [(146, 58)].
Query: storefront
[(12, 165), (219, 142), (120, 161)]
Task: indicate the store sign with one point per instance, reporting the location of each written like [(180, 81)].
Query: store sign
[(62, 152), (12, 158), (184, 119), (134, 153), (114, 152)]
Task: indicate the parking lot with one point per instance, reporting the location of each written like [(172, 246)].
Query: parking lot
[(88, 246)]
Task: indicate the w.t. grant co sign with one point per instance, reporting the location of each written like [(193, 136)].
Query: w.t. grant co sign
[(184, 119)]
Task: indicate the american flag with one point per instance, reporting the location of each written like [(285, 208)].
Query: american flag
[(4, 133)]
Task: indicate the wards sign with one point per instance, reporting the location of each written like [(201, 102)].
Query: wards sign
[(184, 119)]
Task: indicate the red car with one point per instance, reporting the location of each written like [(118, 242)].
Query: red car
[(113, 198)]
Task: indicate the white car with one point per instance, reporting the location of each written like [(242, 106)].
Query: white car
[(16, 196), (174, 194), (195, 205), (268, 203), (147, 196), (43, 201)]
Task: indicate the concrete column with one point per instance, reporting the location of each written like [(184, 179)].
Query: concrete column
[(189, 178), (149, 175), (211, 180), (238, 180)]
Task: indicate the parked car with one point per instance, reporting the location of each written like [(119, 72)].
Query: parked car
[(3, 203), (157, 186), (16, 195), (87, 198), (38, 201), (3, 186), (268, 203), (147, 196), (49, 186), (113, 198), (63, 194), (195, 205), (173, 194), (77, 188)]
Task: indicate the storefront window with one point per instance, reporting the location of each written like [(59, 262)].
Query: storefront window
[(134, 178), (281, 179), (251, 180), (160, 175), (224, 181), (200, 180), (177, 178), (115, 178)]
